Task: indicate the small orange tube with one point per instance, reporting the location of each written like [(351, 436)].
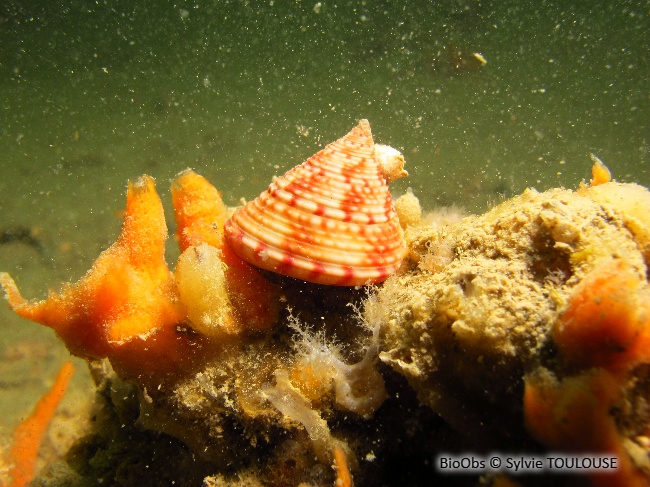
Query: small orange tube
[(343, 476), (29, 433)]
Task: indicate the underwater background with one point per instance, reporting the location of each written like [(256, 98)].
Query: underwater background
[(483, 98)]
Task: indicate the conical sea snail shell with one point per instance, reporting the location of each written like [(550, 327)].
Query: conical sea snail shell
[(330, 220)]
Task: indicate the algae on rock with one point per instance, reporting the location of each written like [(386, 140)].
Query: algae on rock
[(465, 333)]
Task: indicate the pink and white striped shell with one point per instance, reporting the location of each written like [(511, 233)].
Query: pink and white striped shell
[(330, 220)]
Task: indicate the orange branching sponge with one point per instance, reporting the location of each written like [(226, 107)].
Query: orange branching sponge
[(29, 433), (605, 321), (199, 211), (200, 216), (126, 302)]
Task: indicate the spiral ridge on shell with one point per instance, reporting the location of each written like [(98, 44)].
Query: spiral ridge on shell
[(330, 220)]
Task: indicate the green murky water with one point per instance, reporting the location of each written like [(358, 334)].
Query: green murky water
[(95, 93)]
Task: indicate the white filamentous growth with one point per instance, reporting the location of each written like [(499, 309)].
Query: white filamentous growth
[(359, 388)]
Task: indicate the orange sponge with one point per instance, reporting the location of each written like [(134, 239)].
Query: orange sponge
[(200, 214), (602, 335), (574, 415), (604, 324), (126, 301), (199, 211)]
